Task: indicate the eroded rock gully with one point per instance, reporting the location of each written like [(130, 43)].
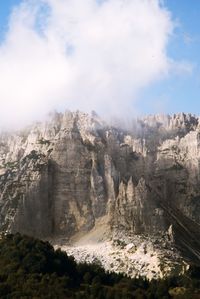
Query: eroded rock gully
[(60, 177)]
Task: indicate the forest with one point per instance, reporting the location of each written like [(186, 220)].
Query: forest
[(31, 268)]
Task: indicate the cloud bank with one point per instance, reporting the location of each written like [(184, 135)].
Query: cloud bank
[(86, 55)]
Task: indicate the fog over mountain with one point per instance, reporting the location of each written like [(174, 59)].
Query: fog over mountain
[(79, 165)]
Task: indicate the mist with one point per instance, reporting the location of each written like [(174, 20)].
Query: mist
[(86, 55)]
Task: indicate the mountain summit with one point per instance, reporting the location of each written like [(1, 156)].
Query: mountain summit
[(129, 198)]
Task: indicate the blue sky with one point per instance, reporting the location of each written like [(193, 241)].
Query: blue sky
[(179, 91), (5, 10)]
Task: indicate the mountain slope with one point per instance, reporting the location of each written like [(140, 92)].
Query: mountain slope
[(58, 179)]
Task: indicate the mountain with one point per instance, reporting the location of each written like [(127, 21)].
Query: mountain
[(127, 197)]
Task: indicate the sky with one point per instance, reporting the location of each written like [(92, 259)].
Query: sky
[(179, 92), (117, 57)]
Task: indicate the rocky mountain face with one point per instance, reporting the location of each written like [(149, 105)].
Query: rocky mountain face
[(61, 178)]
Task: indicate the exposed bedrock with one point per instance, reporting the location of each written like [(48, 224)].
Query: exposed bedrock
[(59, 177)]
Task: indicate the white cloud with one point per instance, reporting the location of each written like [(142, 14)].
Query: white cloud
[(84, 55)]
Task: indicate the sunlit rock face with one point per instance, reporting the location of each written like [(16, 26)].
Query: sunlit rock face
[(59, 177)]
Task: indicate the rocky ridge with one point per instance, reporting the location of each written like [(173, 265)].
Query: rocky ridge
[(60, 178)]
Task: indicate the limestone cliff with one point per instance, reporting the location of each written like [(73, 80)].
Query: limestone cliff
[(58, 178)]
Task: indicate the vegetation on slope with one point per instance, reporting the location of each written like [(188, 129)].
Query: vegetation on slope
[(31, 268)]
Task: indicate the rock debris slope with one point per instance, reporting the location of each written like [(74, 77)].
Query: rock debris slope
[(74, 176)]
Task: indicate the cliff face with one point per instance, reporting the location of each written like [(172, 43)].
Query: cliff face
[(60, 177)]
